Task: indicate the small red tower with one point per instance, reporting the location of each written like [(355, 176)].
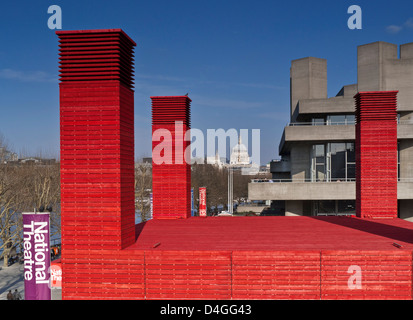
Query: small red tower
[(171, 169), (376, 154)]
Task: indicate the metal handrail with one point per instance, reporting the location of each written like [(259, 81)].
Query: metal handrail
[(333, 123), (320, 124), (315, 181), (300, 180)]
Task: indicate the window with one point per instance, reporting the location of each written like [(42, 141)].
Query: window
[(348, 119), (334, 207), (318, 121), (336, 120), (333, 162), (318, 170)]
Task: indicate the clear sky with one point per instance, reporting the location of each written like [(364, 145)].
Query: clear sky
[(232, 57)]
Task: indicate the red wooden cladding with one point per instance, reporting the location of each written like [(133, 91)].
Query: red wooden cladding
[(276, 275), (97, 166), (171, 172), (96, 55), (188, 275), (210, 258), (384, 275), (376, 154), (238, 275)]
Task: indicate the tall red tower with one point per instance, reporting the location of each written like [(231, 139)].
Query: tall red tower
[(171, 170), (376, 154)]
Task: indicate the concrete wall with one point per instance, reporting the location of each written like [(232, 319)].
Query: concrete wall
[(380, 69), (255, 209), (332, 105), (308, 78), (300, 158), (315, 191), (302, 191), (294, 208)]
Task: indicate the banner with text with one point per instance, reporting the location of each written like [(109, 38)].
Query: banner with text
[(36, 237), (202, 202)]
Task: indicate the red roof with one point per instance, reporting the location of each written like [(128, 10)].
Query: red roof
[(274, 233)]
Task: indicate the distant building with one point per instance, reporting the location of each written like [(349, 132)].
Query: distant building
[(36, 160), (239, 155), (7, 156), (217, 160), (317, 171)]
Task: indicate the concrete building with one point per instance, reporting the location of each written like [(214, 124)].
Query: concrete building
[(316, 173)]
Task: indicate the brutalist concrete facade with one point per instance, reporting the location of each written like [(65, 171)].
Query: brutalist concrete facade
[(316, 173)]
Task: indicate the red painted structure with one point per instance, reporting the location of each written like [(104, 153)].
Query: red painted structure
[(275, 258), (171, 171), (105, 256), (376, 154), (97, 152)]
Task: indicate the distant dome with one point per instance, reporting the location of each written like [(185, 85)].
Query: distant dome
[(239, 155)]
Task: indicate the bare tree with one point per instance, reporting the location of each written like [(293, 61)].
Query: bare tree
[(42, 191), (143, 188), (10, 218)]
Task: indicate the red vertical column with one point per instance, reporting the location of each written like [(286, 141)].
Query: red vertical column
[(171, 170), (97, 140), (376, 154)]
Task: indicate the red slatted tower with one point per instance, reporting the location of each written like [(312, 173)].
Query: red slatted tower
[(171, 172), (376, 154), (97, 153)]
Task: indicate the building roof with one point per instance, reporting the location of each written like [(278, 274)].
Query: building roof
[(274, 233)]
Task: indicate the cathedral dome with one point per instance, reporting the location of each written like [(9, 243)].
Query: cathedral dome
[(239, 155)]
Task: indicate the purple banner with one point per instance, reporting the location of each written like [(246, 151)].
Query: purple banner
[(36, 237)]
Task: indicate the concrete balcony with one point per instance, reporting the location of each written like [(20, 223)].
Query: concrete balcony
[(302, 132), (302, 191), (316, 190), (299, 132), (335, 105)]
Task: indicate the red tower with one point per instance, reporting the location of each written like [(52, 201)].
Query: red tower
[(97, 161), (171, 170), (376, 154)]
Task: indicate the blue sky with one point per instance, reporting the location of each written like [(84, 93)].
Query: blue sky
[(232, 57)]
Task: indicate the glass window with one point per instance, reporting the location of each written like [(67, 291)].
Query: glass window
[(351, 153), (318, 163), (346, 206), (333, 162), (336, 120), (319, 151), (342, 119), (351, 171), (326, 206), (318, 121), (334, 207), (338, 161), (351, 119)]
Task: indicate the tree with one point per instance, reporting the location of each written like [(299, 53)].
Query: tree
[(10, 218), (42, 191), (214, 179), (143, 188)]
